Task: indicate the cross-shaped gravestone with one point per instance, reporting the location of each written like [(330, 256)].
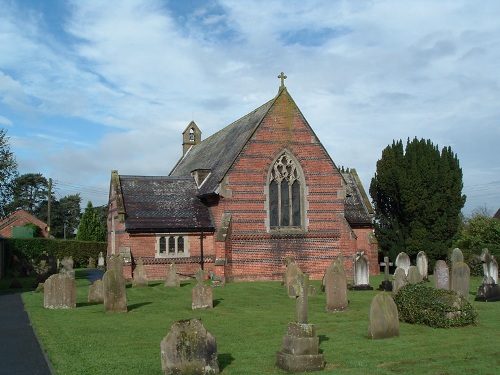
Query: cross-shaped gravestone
[(302, 292), (386, 263), (282, 76)]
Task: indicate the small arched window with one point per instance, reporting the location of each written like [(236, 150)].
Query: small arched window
[(285, 194), (191, 134)]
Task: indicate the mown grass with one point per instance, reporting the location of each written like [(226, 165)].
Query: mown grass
[(249, 321)]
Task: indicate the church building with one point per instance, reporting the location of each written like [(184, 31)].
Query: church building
[(242, 201)]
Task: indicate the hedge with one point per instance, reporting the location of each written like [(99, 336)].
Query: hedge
[(32, 248)]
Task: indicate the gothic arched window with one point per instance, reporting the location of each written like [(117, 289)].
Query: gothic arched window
[(285, 194)]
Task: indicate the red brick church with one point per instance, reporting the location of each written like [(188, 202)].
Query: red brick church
[(241, 201)]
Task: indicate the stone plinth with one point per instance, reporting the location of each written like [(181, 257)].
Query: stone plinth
[(300, 349)]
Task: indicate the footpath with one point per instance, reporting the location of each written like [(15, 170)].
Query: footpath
[(20, 349)]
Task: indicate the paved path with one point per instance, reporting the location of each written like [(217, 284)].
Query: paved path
[(20, 350)]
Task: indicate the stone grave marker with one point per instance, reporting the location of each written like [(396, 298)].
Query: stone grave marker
[(423, 265), (290, 278), (115, 293), (96, 292), (67, 267), (460, 279), (115, 262), (386, 284), (441, 275), (399, 280), (414, 275), (489, 290), (101, 261), (59, 292), (336, 287), (300, 350), (172, 278), (189, 348), (403, 262), (201, 294), (91, 264), (456, 256), (140, 278), (361, 272), (384, 317)]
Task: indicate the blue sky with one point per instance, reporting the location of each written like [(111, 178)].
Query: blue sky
[(87, 87)]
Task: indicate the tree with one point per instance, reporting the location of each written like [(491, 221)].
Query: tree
[(8, 173), (30, 190), (479, 232), (91, 228), (417, 197), (64, 215)]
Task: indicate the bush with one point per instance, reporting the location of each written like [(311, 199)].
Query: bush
[(438, 308)]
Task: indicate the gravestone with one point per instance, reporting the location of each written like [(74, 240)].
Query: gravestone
[(115, 262), (403, 262), (456, 256), (384, 317), (91, 264), (399, 280), (441, 275), (300, 350), (140, 278), (489, 290), (115, 293), (201, 294), (460, 279), (361, 272), (336, 287), (386, 284), (423, 265), (100, 261), (414, 275), (96, 292), (67, 267), (59, 292), (189, 348), (290, 278), (172, 276)]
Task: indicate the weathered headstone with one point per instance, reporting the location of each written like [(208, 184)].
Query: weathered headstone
[(172, 278), (336, 287), (403, 262), (361, 272), (441, 275), (489, 290), (386, 284), (399, 280), (414, 275), (91, 264), (140, 278), (201, 294), (290, 278), (189, 348), (67, 267), (115, 293), (384, 318), (423, 265), (115, 262), (96, 292), (460, 279), (100, 261), (59, 292), (456, 256), (300, 350)]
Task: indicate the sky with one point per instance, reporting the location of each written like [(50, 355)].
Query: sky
[(87, 87)]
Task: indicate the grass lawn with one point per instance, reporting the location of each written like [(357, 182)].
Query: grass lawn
[(249, 320)]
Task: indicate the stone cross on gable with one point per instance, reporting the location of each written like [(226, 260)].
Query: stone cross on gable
[(282, 76), (386, 263)]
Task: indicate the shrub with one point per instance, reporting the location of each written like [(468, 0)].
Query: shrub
[(438, 308)]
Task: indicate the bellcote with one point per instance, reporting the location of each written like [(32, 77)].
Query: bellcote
[(190, 137)]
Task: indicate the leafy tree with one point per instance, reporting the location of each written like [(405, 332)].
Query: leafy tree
[(30, 190), (64, 215), (8, 173), (91, 228), (417, 197), (479, 232)]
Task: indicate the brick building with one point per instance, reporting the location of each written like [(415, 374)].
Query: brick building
[(19, 219), (239, 202)]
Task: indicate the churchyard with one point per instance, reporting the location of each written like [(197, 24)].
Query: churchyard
[(248, 320)]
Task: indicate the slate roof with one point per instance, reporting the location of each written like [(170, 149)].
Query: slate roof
[(219, 151), (358, 211), (161, 203)]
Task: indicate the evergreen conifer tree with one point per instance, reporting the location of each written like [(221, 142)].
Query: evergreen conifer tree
[(90, 227)]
